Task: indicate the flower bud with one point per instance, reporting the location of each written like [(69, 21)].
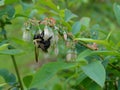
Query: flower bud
[(65, 35), (56, 28), (93, 46), (71, 55), (26, 35)]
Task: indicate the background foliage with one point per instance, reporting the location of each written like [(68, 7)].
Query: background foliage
[(88, 60)]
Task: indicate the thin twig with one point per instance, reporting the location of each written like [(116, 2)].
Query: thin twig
[(82, 43), (15, 65), (17, 71), (117, 68)]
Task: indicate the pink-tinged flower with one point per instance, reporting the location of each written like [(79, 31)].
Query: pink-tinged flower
[(93, 46), (48, 21), (52, 21)]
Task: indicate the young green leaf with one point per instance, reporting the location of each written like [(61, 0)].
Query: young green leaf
[(116, 9), (49, 4), (69, 15), (76, 27), (8, 77), (96, 72), (4, 46), (8, 2), (107, 53), (2, 2), (11, 52), (85, 21), (45, 73), (83, 54), (10, 10), (27, 80), (102, 42)]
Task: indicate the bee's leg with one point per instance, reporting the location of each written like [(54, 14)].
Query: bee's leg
[(36, 53)]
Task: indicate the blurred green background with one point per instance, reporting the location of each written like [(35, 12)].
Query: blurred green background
[(100, 12)]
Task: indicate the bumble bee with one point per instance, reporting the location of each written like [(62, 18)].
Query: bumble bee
[(41, 43)]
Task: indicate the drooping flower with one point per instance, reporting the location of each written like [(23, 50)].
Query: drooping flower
[(26, 35), (93, 46), (47, 32), (71, 55), (65, 35)]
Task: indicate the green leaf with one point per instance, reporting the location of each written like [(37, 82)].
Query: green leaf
[(48, 3), (94, 31), (44, 74), (2, 84), (4, 46), (102, 42), (10, 11), (26, 5), (27, 80), (119, 84), (69, 15), (85, 21), (8, 77), (2, 12), (8, 2), (96, 72), (80, 78), (11, 52), (83, 54), (116, 9), (112, 53), (90, 85), (2, 2), (76, 27), (57, 87), (20, 15)]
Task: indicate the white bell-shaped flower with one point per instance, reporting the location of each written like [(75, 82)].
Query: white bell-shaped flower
[(65, 35), (26, 35), (71, 55), (46, 33)]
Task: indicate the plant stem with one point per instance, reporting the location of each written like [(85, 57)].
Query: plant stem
[(36, 54), (15, 65), (17, 71), (114, 67), (82, 43)]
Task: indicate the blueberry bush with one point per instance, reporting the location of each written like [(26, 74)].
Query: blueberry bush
[(59, 44)]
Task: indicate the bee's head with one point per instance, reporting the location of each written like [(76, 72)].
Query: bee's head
[(39, 36)]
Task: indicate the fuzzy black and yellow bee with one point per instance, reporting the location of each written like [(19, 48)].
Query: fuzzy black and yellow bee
[(41, 43)]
